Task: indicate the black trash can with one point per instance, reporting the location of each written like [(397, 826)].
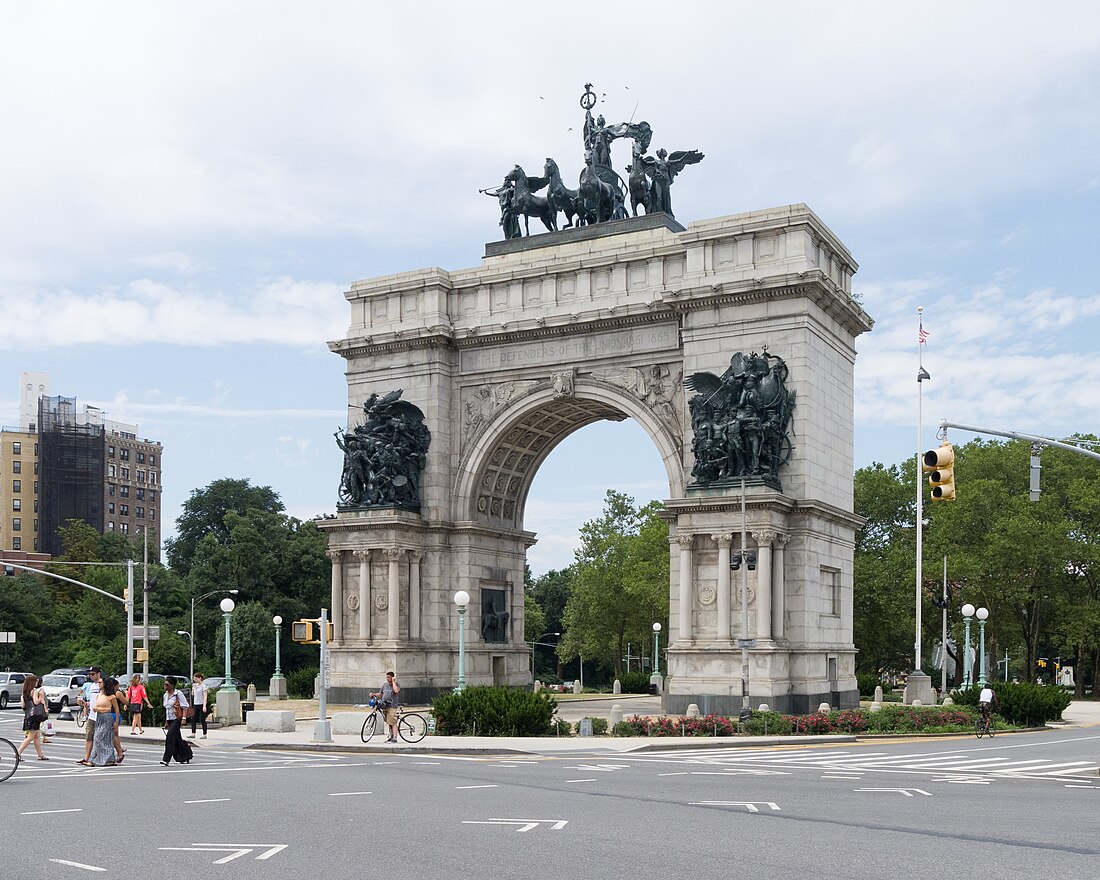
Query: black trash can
[(245, 709), (653, 690)]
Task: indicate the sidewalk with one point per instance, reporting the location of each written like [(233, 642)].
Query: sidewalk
[(1079, 714)]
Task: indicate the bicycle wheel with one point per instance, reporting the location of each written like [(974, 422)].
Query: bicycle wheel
[(412, 727), (370, 727), (979, 727), (991, 727), (9, 758), (81, 717)]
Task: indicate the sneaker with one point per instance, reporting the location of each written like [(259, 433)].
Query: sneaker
[(204, 736), (190, 736)]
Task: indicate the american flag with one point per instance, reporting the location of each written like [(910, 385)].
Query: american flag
[(923, 335)]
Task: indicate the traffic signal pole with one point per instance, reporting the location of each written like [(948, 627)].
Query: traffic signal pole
[(1019, 435)]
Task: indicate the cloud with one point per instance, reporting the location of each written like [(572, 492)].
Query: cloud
[(284, 311), (184, 264)]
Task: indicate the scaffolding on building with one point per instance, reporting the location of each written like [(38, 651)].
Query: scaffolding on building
[(71, 455)]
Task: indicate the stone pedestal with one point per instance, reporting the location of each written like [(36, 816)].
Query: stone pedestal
[(228, 704), (919, 688), (276, 689)]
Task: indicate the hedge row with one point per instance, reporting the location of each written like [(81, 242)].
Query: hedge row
[(1021, 703), (494, 711)]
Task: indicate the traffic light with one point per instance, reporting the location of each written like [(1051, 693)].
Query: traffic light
[(308, 632), (747, 556), (939, 464)]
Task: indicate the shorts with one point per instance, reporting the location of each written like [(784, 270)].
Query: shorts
[(391, 717), (135, 708), (89, 728)]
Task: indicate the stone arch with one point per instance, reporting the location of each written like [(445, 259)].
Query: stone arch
[(496, 474)]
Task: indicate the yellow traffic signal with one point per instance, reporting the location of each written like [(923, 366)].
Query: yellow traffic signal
[(308, 632), (939, 464)]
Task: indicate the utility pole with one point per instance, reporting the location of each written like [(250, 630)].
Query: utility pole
[(145, 604)]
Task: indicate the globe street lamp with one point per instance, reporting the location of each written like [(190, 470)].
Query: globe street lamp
[(656, 637), (982, 614), (277, 688), (967, 613), (461, 599), (228, 700), (193, 601)]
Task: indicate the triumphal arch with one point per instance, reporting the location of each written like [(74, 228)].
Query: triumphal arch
[(731, 341)]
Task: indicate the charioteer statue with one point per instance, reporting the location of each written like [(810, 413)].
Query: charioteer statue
[(601, 194)]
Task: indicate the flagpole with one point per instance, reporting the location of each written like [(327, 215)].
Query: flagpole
[(920, 493)]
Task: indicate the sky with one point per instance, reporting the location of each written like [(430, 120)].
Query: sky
[(188, 190)]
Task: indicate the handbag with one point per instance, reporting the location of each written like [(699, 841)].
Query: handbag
[(184, 712), (38, 710)]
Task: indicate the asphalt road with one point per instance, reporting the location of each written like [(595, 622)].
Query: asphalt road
[(1020, 806)]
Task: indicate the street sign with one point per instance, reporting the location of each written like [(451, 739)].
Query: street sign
[(154, 633), (746, 643), (7, 638)]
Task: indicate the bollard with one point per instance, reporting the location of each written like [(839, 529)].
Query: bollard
[(250, 694), (616, 715), (824, 708), (763, 707), (875, 706), (916, 703), (947, 701), (692, 710), (878, 693), (617, 687), (538, 685)]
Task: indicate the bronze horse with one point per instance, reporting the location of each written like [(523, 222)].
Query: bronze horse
[(600, 200), (527, 203), (560, 197), (639, 184)]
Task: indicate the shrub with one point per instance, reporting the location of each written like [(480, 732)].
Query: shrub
[(560, 727), (635, 682), (635, 726), (867, 682), (1023, 703), (494, 711), (300, 682), (599, 726), (768, 724)]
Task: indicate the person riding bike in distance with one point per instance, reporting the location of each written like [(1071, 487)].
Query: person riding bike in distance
[(986, 699), (389, 698)]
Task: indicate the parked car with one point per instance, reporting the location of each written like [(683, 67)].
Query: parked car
[(11, 687), (62, 689)]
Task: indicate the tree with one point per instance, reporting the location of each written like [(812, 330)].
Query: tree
[(204, 515), (620, 587)]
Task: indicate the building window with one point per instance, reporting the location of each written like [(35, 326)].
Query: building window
[(16, 543), (110, 470), (152, 513), (152, 495), (141, 476), (152, 478), (110, 507), (16, 504), (17, 485), (17, 448), (36, 487), (111, 489), (36, 505), (111, 451), (36, 543), (36, 525), (16, 524), (36, 468), (140, 512), (124, 510), (111, 526), (124, 491), (124, 454), (17, 467), (125, 473), (141, 458), (125, 528), (830, 582), (152, 459), (140, 494)]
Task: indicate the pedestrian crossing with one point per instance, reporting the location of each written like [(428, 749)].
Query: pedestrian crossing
[(972, 765)]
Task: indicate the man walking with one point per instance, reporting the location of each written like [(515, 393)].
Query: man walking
[(88, 693)]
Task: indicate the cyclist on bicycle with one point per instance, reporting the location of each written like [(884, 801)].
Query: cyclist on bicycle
[(986, 699), (388, 696)]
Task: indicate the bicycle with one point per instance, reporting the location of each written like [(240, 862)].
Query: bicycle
[(985, 725), (8, 763), (82, 716), (411, 726)]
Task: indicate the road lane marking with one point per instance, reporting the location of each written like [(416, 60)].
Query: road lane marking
[(347, 793), (748, 805), (908, 792), (463, 787), (593, 779), (48, 812), (208, 801), (527, 824), (77, 865)]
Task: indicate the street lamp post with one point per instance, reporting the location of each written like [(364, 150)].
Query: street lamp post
[(982, 614), (228, 699), (190, 648), (461, 599), (277, 687), (539, 641), (193, 601), (655, 677), (967, 613)]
